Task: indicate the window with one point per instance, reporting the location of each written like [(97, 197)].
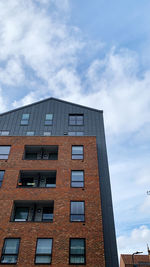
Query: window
[(21, 214), (44, 251), (77, 152), (48, 119), (30, 133), (77, 211), (33, 211), (10, 251), (76, 133), (47, 133), (37, 179), (77, 251), (41, 152), (4, 152), (76, 119), (77, 178), (1, 177), (3, 133), (25, 119)]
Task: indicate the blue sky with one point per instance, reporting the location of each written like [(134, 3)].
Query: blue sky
[(95, 54)]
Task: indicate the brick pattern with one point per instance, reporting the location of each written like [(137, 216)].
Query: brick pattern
[(61, 229)]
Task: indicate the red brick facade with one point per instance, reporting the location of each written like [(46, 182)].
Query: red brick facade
[(61, 229)]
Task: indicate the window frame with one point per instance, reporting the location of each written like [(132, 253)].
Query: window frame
[(5, 154), (25, 120), (77, 154), (76, 133), (33, 133), (76, 115), (15, 214), (48, 120), (37, 254), (77, 214), (1, 181), (77, 181), (39, 174), (4, 131), (8, 254), (77, 254), (42, 152)]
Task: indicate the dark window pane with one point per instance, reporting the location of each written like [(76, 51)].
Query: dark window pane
[(43, 259), (31, 155), (77, 246), (50, 182), (1, 175), (21, 214), (47, 214), (44, 246), (9, 259), (77, 259)]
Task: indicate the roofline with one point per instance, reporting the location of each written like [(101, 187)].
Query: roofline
[(50, 98)]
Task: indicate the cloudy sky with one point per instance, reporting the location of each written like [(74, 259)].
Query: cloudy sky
[(96, 53)]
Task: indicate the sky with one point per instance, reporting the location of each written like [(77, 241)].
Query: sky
[(94, 53)]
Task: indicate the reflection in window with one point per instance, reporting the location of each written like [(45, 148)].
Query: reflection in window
[(21, 214), (47, 133), (1, 177), (75, 133), (25, 119), (30, 133), (77, 251), (77, 152), (43, 251), (76, 119), (48, 119), (4, 152), (4, 133), (77, 178), (77, 211), (10, 251)]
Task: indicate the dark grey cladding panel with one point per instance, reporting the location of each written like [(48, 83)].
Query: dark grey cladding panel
[(93, 125)]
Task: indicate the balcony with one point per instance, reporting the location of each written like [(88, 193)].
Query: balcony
[(41, 153), (32, 211), (40, 179)]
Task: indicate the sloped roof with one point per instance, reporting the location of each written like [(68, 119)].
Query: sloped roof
[(127, 258), (48, 99)]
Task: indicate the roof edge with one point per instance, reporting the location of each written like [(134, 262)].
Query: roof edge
[(50, 98)]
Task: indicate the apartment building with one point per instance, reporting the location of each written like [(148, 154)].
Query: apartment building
[(55, 196)]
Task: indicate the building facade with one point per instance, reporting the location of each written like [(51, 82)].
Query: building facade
[(131, 260), (55, 195)]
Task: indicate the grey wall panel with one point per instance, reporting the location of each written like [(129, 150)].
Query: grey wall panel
[(93, 125)]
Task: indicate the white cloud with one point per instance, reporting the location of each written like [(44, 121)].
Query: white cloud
[(12, 74), (136, 241)]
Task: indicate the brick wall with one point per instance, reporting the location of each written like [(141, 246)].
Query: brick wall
[(61, 229)]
